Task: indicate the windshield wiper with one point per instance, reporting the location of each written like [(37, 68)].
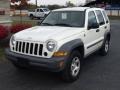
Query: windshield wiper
[(63, 24), (47, 24)]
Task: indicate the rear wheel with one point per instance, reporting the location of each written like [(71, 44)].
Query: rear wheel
[(31, 17), (105, 48), (72, 70)]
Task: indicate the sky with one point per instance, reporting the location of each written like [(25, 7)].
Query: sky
[(59, 2)]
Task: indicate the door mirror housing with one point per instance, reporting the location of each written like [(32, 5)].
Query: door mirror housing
[(93, 26)]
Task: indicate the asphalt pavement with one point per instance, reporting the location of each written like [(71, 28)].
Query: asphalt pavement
[(98, 73)]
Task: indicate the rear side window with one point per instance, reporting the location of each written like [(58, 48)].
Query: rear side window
[(106, 17), (41, 10), (100, 17), (91, 18)]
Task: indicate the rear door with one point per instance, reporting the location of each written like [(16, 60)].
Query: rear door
[(37, 12), (102, 23)]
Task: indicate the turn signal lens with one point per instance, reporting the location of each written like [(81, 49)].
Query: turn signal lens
[(60, 54)]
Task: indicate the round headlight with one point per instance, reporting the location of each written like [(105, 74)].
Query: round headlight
[(51, 45), (13, 40)]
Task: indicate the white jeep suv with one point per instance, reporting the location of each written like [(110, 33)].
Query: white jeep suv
[(62, 41)]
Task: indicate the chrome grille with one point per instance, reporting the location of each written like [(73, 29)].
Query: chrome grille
[(28, 48)]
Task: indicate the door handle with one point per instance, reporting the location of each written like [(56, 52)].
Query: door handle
[(97, 30)]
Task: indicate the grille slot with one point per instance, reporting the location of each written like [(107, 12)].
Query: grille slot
[(36, 48), (40, 49), (28, 48), (31, 48), (23, 47), (19, 46)]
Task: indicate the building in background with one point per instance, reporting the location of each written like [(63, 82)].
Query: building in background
[(5, 12)]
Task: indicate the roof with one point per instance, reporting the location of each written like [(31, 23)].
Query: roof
[(73, 9)]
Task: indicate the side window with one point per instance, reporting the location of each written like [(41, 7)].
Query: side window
[(37, 10), (91, 19), (100, 17), (41, 10), (106, 17)]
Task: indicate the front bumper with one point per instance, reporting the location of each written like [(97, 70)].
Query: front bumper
[(51, 64)]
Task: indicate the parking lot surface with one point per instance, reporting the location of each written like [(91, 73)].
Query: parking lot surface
[(98, 73)]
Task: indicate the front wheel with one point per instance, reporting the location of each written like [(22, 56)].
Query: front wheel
[(105, 48), (72, 70)]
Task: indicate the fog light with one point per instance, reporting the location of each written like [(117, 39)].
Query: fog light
[(60, 54), (45, 53), (61, 64)]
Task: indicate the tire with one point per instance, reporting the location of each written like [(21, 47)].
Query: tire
[(105, 48), (72, 70), (31, 17)]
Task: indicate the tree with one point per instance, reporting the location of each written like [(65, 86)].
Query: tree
[(69, 4), (31, 7), (23, 4), (52, 7), (109, 1), (13, 1), (36, 3), (104, 2)]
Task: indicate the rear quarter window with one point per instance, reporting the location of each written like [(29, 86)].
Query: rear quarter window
[(100, 17), (91, 18), (41, 10), (106, 17)]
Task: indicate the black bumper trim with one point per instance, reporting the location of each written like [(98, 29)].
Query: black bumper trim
[(51, 64)]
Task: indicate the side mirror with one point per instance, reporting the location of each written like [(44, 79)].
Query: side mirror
[(93, 26)]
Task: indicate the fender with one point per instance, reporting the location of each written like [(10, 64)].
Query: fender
[(105, 37), (106, 34), (70, 46)]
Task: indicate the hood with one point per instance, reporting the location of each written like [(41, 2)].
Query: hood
[(44, 33), (47, 12)]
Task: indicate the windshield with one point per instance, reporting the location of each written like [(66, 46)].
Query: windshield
[(45, 9), (65, 18)]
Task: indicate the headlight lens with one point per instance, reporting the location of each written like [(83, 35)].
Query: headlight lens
[(13, 40), (51, 45)]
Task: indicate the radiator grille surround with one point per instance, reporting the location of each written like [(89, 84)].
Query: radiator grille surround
[(28, 48)]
